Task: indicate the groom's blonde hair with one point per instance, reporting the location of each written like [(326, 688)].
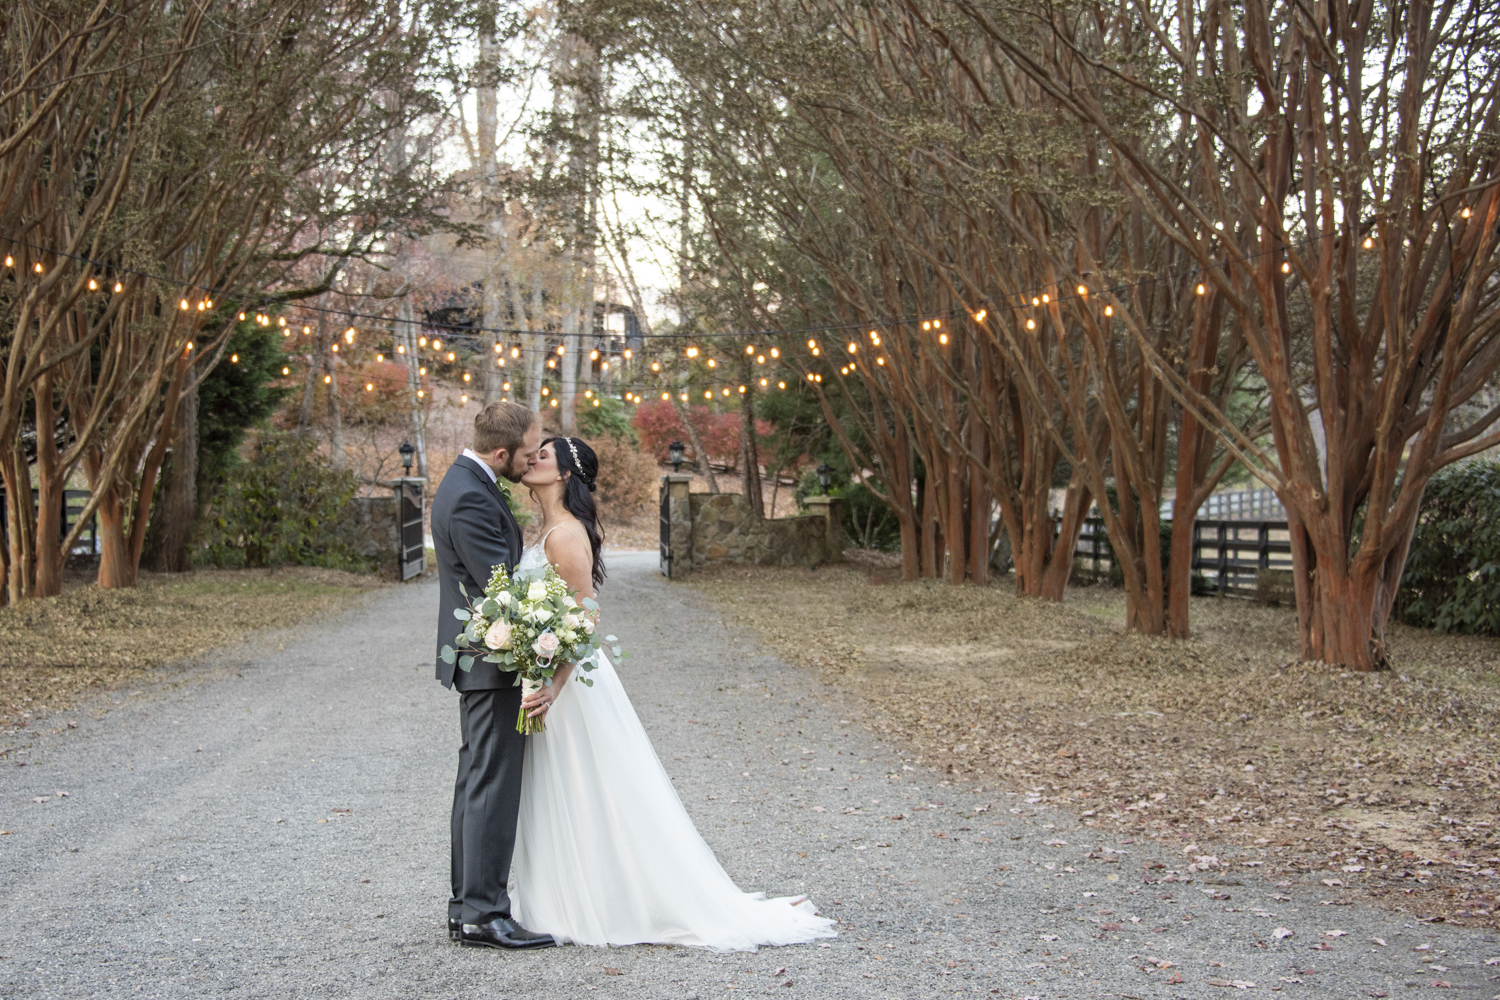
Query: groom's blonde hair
[(502, 424)]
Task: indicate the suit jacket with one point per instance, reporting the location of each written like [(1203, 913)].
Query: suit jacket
[(473, 531)]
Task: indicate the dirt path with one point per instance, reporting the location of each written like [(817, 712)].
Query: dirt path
[(280, 829)]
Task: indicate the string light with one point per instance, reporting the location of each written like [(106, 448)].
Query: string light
[(760, 359), (464, 398), (450, 355), (978, 318), (421, 341), (1466, 212), (627, 354), (927, 325), (781, 385), (1036, 301), (286, 371), (369, 387), (183, 303), (763, 383), (349, 335), (853, 347), (712, 363), (420, 393), (93, 285), (1286, 267), (880, 361), (10, 261), (1109, 310), (593, 355), (1046, 298), (707, 394), (692, 352), (327, 379), (400, 348), (307, 331), (1083, 290), (749, 348), (37, 267), (942, 338), (120, 288), (775, 353), (546, 391), (561, 350), (812, 345), (663, 395), (936, 323), (1031, 324), (466, 376), (1202, 289), (437, 345), (554, 402), (421, 370), (234, 359), (335, 348), (505, 386), (380, 359), (1369, 243), (655, 366), (515, 352)]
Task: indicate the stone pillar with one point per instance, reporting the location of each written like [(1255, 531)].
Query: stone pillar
[(677, 514), (831, 509)]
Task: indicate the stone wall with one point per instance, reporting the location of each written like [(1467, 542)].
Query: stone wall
[(708, 528), (372, 526)]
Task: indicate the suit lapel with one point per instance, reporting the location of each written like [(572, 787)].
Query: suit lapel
[(507, 516)]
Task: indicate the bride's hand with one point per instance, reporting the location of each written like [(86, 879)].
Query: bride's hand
[(540, 701)]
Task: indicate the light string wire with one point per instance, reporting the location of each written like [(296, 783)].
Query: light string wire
[(475, 331)]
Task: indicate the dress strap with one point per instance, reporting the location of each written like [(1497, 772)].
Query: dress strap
[(541, 543)]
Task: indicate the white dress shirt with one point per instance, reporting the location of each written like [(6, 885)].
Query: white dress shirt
[(469, 453)]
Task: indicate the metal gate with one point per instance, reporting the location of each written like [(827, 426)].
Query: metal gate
[(413, 555), (72, 506), (666, 531)]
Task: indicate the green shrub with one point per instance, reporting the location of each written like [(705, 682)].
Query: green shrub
[(1275, 587), (869, 523), (608, 419), (1452, 578), (284, 505)]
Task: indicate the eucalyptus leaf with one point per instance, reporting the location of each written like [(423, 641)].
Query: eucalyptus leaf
[(462, 589), (590, 603), (461, 614), (616, 651), (611, 638), (448, 654), (466, 663), (492, 658)]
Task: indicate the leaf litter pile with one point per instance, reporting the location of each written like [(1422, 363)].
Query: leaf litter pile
[(56, 650), (1380, 783)]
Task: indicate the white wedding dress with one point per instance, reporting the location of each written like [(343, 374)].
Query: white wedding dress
[(606, 854)]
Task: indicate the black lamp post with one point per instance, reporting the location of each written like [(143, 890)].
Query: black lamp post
[(674, 451), (407, 451), (824, 476)]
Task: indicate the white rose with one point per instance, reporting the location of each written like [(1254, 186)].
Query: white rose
[(588, 625), (541, 615), (570, 621), (536, 591), (568, 600), (504, 598)]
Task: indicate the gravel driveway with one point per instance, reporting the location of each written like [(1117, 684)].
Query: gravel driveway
[(277, 827)]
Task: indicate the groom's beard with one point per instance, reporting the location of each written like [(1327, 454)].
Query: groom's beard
[(515, 469)]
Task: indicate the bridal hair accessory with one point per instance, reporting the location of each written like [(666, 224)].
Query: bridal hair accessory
[(578, 466)]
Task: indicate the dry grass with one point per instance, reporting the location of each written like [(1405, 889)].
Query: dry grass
[(57, 650), (1224, 743)]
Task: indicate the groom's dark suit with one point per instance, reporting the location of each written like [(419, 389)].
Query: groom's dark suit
[(473, 531)]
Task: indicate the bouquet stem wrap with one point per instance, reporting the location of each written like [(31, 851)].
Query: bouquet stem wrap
[(525, 725)]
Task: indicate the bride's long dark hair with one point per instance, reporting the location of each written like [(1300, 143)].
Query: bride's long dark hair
[(578, 491)]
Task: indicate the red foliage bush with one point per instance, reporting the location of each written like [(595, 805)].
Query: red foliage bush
[(657, 425)]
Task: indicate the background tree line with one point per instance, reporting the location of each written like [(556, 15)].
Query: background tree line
[(1115, 248)]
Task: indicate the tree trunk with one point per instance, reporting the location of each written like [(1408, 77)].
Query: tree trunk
[(699, 452), (116, 568), (50, 526), (749, 452), (176, 512), (336, 454)]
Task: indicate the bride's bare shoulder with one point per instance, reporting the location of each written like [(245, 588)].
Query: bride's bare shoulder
[(567, 538)]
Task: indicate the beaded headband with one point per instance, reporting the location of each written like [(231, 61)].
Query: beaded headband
[(577, 464)]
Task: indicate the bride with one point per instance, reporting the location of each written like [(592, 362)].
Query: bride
[(605, 853)]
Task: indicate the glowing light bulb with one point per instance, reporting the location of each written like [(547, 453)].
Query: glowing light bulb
[(593, 355), (1036, 301), (1083, 289), (421, 341), (369, 387), (437, 345), (763, 383), (421, 370), (927, 325), (464, 398), (1369, 243), (120, 288), (1466, 212), (781, 385), (655, 366), (183, 303), (400, 348), (942, 338), (505, 386), (853, 347), (880, 361), (466, 376), (327, 379), (1286, 268), (1031, 324), (420, 393), (692, 352), (708, 394), (10, 261), (775, 353), (712, 363), (663, 395), (1109, 310), (978, 318), (1202, 290), (379, 358), (93, 285), (286, 371), (37, 267), (234, 359), (561, 350)]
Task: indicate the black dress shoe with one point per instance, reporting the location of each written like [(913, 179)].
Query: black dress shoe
[(455, 928), (502, 932)]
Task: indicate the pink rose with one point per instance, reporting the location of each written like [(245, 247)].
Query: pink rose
[(546, 645), (498, 635)]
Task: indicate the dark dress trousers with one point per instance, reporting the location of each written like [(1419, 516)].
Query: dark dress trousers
[(473, 531)]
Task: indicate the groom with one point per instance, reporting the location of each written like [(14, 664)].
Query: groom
[(473, 531)]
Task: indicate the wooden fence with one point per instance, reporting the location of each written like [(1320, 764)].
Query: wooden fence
[(73, 503), (1228, 554)]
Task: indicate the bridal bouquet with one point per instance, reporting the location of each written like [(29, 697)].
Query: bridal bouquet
[(530, 624)]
